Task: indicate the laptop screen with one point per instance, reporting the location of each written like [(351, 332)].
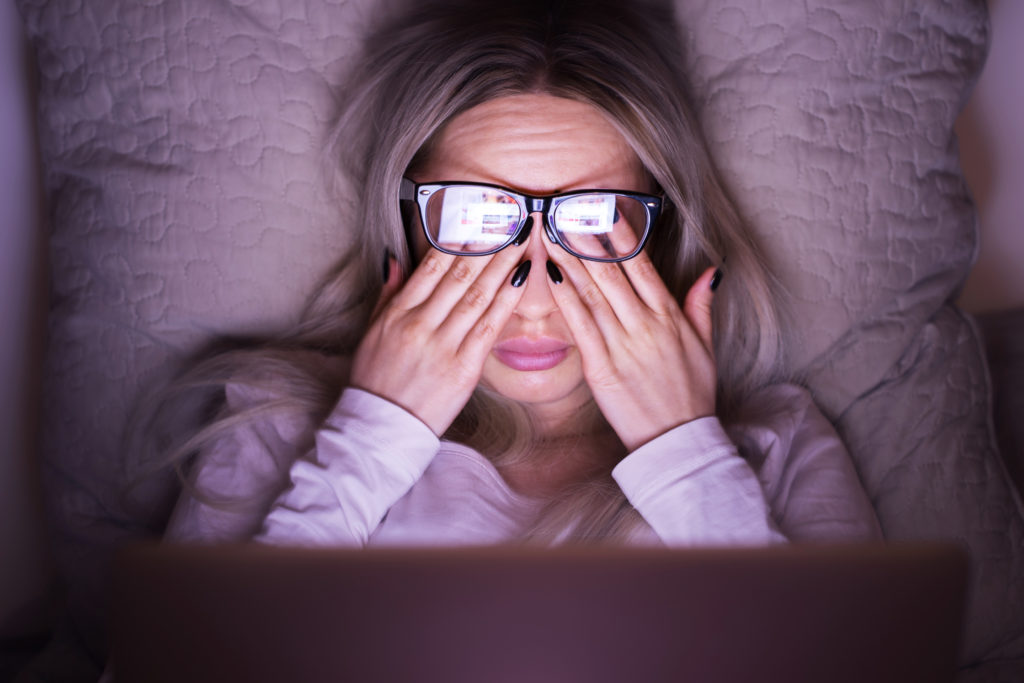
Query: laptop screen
[(789, 613)]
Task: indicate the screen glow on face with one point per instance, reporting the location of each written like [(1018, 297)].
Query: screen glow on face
[(476, 216), (464, 218), (473, 219), (591, 214)]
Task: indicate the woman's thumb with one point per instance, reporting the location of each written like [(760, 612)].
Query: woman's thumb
[(392, 274), (697, 307)]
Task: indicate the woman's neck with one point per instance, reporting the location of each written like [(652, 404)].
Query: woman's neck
[(565, 454)]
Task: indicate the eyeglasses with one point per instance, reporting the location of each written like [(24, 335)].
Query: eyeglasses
[(479, 219)]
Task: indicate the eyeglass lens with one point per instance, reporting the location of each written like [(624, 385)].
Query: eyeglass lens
[(476, 219)]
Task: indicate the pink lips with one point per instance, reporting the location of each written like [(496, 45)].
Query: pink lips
[(530, 355)]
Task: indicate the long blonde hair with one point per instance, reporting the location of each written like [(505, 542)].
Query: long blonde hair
[(420, 68)]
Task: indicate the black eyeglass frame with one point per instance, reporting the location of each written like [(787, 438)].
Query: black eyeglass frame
[(530, 204)]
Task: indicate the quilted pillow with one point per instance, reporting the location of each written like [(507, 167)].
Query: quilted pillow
[(181, 138), (832, 122)]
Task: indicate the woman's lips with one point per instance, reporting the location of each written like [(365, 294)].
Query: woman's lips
[(530, 355)]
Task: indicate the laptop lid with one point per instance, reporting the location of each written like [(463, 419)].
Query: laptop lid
[(791, 613)]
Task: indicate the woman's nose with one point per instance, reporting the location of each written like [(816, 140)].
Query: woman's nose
[(537, 302)]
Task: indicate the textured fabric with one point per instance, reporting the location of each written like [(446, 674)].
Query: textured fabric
[(379, 476), (832, 122), (1003, 333), (180, 143)]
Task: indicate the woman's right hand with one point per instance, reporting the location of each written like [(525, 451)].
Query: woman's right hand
[(428, 340)]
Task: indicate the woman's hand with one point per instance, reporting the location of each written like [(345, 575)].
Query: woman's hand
[(649, 365), (427, 341)]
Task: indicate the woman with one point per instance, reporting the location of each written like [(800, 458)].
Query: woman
[(557, 343)]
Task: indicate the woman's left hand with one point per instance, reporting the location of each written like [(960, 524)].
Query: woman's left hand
[(649, 364)]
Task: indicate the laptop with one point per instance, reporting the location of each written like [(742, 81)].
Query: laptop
[(525, 615)]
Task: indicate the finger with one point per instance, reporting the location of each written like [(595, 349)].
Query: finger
[(424, 279), (462, 283), (393, 279), (614, 286), (697, 307), (589, 292), (617, 289), (586, 332), (647, 283), (482, 334), (480, 294), (617, 284), (643, 277), (624, 238), (598, 244)]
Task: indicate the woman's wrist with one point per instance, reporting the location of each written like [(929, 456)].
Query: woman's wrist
[(373, 412), (681, 450)]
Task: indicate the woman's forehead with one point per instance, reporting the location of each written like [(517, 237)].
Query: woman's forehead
[(535, 143)]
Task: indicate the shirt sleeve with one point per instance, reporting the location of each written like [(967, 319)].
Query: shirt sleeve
[(278, 478), (807, 474), (367, 455), (239, 473), (794, 480), (693, 488)]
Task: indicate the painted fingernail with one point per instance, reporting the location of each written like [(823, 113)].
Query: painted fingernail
[(519, 277), (524, 234), (554, 273), (387, 264), (716, 279)]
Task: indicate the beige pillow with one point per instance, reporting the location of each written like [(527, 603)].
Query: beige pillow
[(833, 123)]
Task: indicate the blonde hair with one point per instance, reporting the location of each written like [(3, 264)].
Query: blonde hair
[(422, 67)]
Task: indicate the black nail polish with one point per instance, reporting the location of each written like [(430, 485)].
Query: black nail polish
[(554, 273), (524, 234), (519, 277), (716, 279), (387, 264)]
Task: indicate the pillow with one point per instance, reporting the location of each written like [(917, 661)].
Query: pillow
[(180, 145), (833, 125), (181, 137)]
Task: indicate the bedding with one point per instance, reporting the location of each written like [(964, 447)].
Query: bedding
[(1003, 335), (181, 148)]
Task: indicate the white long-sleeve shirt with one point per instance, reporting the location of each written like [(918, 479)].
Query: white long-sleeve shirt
[(376, 475)]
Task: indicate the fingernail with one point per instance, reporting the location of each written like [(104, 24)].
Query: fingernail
[(387, 264), (716, 279), (524, 234), (519, 277), (554, 273)]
